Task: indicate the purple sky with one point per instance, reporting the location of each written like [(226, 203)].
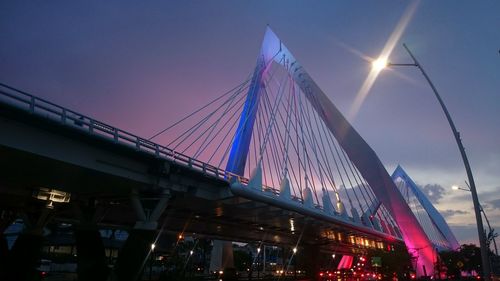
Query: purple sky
[(140, 65)]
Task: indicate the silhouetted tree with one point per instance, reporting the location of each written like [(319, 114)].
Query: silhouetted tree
[(466, 259), (492, 235), (397, 261), (453, 261), (471, 257)]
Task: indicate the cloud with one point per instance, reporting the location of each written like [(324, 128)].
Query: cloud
[(434, 192), (449, 213), (494, 204), (490, 200)]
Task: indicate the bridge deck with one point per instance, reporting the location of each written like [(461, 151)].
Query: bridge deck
[(46, 145)]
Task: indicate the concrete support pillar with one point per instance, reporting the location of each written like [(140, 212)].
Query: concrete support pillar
[(310, 259), (91, 257), (136, 251), (25, 254), (24, 257), (134, 254), (4, 252), (6, 219), (221, 256)]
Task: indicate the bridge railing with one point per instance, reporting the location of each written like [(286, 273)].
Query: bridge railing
[(86, 124), (76, 120)]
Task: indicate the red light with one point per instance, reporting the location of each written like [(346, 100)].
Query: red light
[(330, 275), (321, 274), (413, 276)]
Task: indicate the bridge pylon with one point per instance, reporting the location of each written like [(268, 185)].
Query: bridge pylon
[(240, 146), (360, 154)]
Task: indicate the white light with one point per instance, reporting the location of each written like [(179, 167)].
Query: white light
[(379, 64), (191, 252), (258, 250), (51, 196), (455, 187), (295, 250), (153, 246), (333, 256)]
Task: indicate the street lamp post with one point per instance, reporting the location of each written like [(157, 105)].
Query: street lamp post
[(258, 263), (477, 209), (456, 187), (294, 263), (151, 260)]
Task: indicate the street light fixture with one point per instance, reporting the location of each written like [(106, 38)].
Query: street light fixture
[(380, 64), (477, 209), (456, 187)]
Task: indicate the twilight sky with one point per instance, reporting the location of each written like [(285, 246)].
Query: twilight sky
[(141, 65)]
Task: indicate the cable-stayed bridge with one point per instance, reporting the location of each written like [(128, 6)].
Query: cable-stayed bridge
[(272, 161)]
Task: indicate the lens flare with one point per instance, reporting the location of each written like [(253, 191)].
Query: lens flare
[(379, 64), (389, 46)]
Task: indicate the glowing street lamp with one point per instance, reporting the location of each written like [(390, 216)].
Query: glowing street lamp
[(456, 187), (380, 64), (456, 134)]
